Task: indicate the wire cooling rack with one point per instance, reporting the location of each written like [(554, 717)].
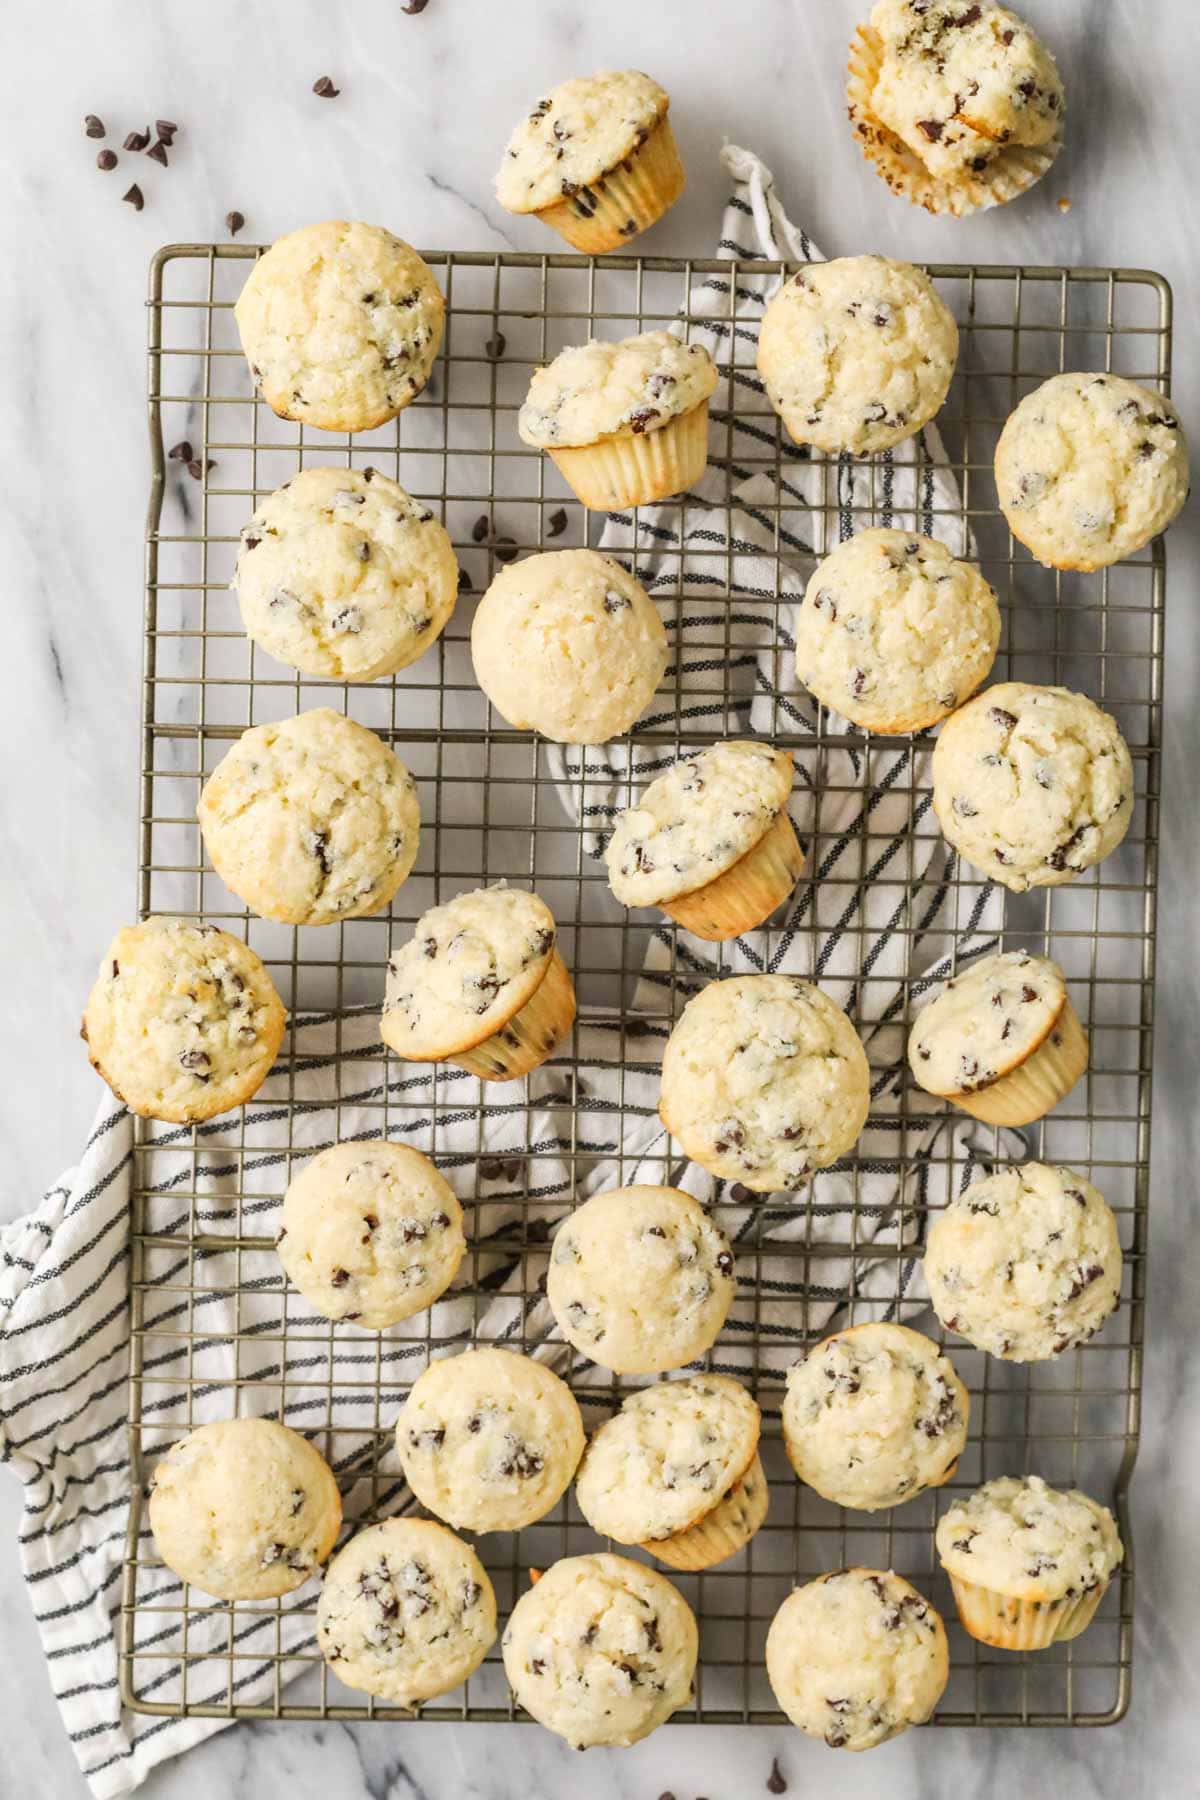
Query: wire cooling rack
[(214, 1331)]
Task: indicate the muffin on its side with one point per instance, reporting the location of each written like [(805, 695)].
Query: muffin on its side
[(710, 841), (601, 1650), (568, 644), (596, 160), (894, 632), (1001, 1039), (625, 423), (856, 1657), (857, 353), (1089, 468), (481, 984), (1025, 1263), (1032, 785), (183, 1021), (341, 324), (1029, 1564), (341, 573)]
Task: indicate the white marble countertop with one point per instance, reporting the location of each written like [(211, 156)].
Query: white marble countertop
[(412, 141)]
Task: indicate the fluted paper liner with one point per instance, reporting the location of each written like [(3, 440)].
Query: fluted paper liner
[(1008, 1623), (528, 1038), (747, 893), (1037, 1084), (722, 1532), (635, 468), (625, 201)]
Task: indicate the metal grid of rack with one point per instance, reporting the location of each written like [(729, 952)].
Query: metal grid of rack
[(215, 1332)]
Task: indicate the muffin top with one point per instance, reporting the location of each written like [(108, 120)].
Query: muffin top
[(1025, 1263), (568, 644), (958, 83), (985, 1021), (894, 632), (856, 1657), (873, 1416), (341, 573), (856, 353), (1032, 784), (1022, 1538), (696, 820), (1089, 468), (468, 967), (764, 1080), (573, 136), (635, 384)]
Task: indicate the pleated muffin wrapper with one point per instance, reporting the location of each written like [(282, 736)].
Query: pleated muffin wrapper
[(747, 893), (1035, 1086), (1009, 1623), (525, 1040), (627, 199), (634, 468), (722, 1532), (1009, 174)]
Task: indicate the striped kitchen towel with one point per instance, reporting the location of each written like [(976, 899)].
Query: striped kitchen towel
[(65, 1319)]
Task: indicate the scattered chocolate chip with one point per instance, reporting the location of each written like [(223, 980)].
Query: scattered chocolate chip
[(775, 1780), (413, 7), (234, 222), (134, 197), (324, 88), (166, 129), (504, 549), (181, 452), (556, 524), (740, 1194), (496, 346), (137, 140), (93, 126), (106, 159), (480, 529), (197, 468), (158, 153)]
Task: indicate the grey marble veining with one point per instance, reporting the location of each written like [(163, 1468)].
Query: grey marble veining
[(412, 141)]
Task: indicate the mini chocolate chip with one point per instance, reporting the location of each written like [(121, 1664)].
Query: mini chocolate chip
[(93, 126), (181, 452), (137, 140), (194, 1059), (339, 1278), (504, 549), (740, 1194), (775, 1781), (480, 529), (464, 582), (158, 153), (414, 6), (496, 346), (234, 222), (725, 1262), (135, 197), (932, 129), (556, 524), (197, 468), (641, 418), (166, 129), (324, 89), (106, 160)]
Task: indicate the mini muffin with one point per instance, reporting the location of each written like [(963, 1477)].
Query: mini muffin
[(677, 1471), (596, 160), (371, 1233), (340, 324), (183, 1021), (1025, 1263), (1089, 468), (568, 644), (341, 573), (406, 1611), (625, 423), (1001, 1040), (601, 1650), (874, 1416), (1029, 1564), (640, 1279), (244, 1509), (710, 841), (857, 353), (856, 1657), (312, 820), (894, 632), (1032, 785), (764, 1080), (480, 984), (958, 107), (489, 1440)]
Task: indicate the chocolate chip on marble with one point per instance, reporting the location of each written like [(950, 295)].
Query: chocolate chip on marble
[(324, 89), (106, 160), (199, 467), (135, 197), (137, 140), (158, 153), (234, 222), (93, 126), (775, 1780), (413, 7)]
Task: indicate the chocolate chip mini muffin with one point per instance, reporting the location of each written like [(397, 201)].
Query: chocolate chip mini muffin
[(340, 324), (596, 160), (489, 1440), (894, 632), (244, 1509), (370, 1233), (1029, 1564), (874, 1416), (625, 423), (857, 353), (406, 1611), (568, 644), (480, 984), (958, 107), (341, 573), (1025, 1263), (856, 1657), (312, 820), (1089, 468), (1001, 1039), (183, 1021), (710, 841), (640, 1279), (1032, 785), (764, 1080), (601, 1650), (676, 1470)]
